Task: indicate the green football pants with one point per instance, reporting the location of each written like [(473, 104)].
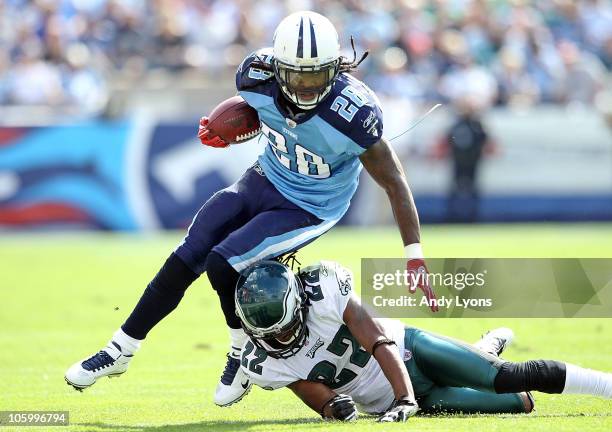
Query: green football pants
[(449, 375)]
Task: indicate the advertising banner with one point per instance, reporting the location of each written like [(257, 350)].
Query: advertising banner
[(65, 176)]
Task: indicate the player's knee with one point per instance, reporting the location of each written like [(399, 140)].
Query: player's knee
[(174, 276), (222, 206), (219, 270), (546, 376)]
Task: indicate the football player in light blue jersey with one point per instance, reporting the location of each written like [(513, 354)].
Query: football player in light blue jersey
[(312, 156), (321, 126)]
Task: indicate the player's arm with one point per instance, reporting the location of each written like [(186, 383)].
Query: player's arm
[(371, 335), (382, 163), (325, 401)]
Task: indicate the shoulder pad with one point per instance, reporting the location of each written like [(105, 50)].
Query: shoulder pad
[(255, 69), (354, 110), (327, 279), (343, 276)]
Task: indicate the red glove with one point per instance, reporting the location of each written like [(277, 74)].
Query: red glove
[(206, 139), (417, 271)]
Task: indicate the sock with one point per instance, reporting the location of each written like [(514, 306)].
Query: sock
[(587, 381), (237, 338), (546, 376), (223, 279), (161, 297), (128, 344)]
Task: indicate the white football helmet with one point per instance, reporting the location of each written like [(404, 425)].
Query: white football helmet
[(306, 57)]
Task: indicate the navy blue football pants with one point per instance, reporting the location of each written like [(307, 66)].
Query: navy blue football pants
[(248, 222)]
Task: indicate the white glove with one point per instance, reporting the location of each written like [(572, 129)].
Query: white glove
[(400, 411)]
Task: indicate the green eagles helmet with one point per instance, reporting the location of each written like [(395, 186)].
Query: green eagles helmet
[(272, 306)]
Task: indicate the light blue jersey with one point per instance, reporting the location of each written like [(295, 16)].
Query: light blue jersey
[(313, 160)]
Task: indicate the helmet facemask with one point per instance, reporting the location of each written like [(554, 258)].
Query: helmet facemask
[(258, 305), (306, 86), (285, 342)]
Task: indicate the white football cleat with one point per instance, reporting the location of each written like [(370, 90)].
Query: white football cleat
[(109, 361), (495, 341), (234, 384)]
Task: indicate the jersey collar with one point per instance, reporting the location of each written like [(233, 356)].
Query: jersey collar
[(303, 117)]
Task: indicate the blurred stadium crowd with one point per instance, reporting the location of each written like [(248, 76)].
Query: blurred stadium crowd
[(519, 52)]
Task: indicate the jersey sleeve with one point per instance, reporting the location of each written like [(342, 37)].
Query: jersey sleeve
[(255, 69), (367, 127), (265, 371), (270, 379), (336, 289), (354, 111)]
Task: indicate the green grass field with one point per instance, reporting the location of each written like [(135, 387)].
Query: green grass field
[(63, 295)]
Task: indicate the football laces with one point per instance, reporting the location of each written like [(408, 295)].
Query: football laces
[(248, 135)]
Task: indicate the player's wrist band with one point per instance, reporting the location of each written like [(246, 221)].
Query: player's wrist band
[(381, 342), (413, 251), (322, 410), (404, 400)]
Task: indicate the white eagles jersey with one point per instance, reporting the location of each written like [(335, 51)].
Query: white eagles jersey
[(331, 354)]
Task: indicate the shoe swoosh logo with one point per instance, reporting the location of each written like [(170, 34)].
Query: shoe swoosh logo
[(245, 384)]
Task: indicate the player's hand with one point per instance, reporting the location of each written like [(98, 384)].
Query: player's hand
[(206, 139), (417, 271), (400, 411), (341, 407)]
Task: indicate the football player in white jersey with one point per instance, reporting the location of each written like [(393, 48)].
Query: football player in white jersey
[(309, 332)]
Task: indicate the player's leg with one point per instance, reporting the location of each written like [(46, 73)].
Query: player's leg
[(551, 376), (222, 213), (268, 235), (433, 392), (494, 341), (453, 363), (448, 400), (225, 211)]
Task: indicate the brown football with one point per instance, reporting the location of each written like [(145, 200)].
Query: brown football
[(234, 121)]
